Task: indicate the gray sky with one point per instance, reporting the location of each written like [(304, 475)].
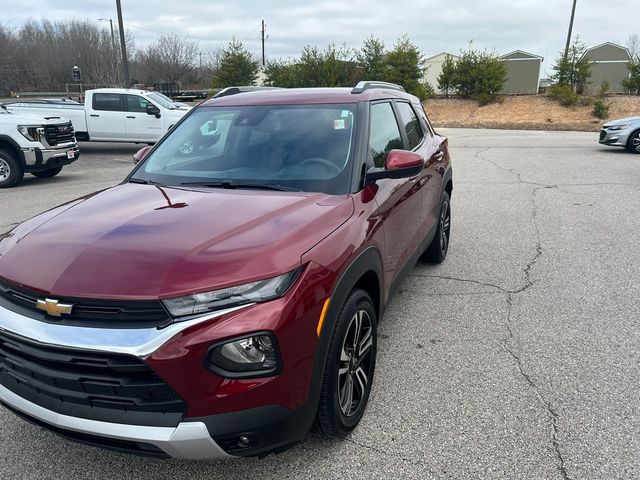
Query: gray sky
[(536, 26)]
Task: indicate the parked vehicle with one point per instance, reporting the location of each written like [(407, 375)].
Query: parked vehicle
[(40, 146), (113, 115), (221, 300), (622, 133)]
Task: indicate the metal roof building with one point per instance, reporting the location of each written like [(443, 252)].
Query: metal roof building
[(523, 73), (609, 62), (433, 67)]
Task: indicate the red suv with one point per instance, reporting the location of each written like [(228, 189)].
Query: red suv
[(225, 297)]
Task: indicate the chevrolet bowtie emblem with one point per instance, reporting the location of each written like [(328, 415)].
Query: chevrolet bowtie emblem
[(53, 308)]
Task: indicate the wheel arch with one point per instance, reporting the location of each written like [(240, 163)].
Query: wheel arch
[(8, 143), (365, 272)]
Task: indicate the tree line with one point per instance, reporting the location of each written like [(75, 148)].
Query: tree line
[(40, 55)]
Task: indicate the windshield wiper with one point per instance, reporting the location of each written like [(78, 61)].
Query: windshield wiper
[(232, 185), (146, 182)]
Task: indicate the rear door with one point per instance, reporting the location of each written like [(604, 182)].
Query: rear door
[(139, 125), (105, 118)]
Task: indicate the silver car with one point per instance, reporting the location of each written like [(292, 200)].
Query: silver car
[(622, 133)]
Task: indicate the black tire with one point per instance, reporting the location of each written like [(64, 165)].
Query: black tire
[(633, 144), (52, 172), (338, 414), (11, 172), (437, 251)]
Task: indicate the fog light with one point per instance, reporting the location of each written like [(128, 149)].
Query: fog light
[(251, 356)]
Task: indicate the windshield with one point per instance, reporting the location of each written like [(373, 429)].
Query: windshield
[(307, 148), (162, 100)]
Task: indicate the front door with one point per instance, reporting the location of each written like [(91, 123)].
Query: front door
[(141, 126)]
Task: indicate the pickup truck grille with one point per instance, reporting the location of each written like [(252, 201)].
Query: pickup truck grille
[(87, 312), (101, 386), (57, 134)]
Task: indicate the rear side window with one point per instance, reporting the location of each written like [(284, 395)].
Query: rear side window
[(411, 125), (384, 134), (136, 103), (112, 102)]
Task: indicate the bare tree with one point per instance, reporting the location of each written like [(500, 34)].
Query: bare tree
[(633, 44), (169, 59)]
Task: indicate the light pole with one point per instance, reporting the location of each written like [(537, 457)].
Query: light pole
[(113, 45), (573, 13)]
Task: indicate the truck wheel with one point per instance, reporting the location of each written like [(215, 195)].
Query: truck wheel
[(52, 172), (351, 362), (11, 172)]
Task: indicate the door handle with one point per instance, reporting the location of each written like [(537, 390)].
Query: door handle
[(94, 115), (439, 155), (131, 116)]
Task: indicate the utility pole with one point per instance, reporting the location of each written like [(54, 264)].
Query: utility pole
[(263, 59), (201, 80), (566, 48), (125, 62)]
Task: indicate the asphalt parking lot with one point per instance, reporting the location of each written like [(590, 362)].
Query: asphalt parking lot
[(517, 358)]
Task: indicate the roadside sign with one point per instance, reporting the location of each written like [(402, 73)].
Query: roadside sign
[(76, 73)]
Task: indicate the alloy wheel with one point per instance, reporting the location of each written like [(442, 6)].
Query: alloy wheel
[(5, 170), (635, 142), (445, 226), (354, 371)]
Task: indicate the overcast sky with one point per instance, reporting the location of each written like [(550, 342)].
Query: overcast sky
[(536, 26)]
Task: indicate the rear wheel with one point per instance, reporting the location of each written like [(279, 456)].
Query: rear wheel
[(52, 172), (350, 366), (633, 144), (437, 251), (11, 172)]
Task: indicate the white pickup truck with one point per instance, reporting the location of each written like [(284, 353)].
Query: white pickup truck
[(40, 146), (112, 114)]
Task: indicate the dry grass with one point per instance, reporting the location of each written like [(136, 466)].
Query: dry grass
[(528, 112)]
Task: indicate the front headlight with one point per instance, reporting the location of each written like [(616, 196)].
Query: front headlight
[(33, 134), (617, 128), (254, 292)]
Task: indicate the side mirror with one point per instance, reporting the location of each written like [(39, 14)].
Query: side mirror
[(141, 154), (398, 164), (153, 110)]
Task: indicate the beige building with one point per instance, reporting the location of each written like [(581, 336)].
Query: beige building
[(433, 66), (523, 73), (609, 62)]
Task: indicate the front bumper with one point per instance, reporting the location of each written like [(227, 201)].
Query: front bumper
[(40, 159), (221, 413), (189, 440), (615, 138)]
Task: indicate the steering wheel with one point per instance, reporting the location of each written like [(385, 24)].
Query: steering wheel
[(330, 166)]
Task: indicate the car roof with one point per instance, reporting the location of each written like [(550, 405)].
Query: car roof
[(304, 96)]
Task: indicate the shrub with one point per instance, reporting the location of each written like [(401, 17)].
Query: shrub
[(478, 75), (601, 108), (632, 84), (564, 94)]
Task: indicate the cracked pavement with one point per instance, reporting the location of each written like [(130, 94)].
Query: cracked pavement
[(516, 358)]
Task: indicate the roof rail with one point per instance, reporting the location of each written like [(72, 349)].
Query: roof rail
[(369, 84)]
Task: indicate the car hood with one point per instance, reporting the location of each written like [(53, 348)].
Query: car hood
[(137, 241), (622, 121)]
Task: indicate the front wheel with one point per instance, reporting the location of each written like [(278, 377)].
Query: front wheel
[(351, 362), (52, 172), (11, 171), (633, 144)]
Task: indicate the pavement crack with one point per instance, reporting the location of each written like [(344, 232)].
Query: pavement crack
[(465, 280), (552, 413)]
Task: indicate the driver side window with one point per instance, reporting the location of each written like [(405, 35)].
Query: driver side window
[(384, 134)]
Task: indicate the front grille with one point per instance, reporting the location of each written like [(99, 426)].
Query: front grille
[(102, 386), (87, 312), (57, 134), (603, 133)]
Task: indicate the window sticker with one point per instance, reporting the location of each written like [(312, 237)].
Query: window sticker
[(345, 113), (339, 124)]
